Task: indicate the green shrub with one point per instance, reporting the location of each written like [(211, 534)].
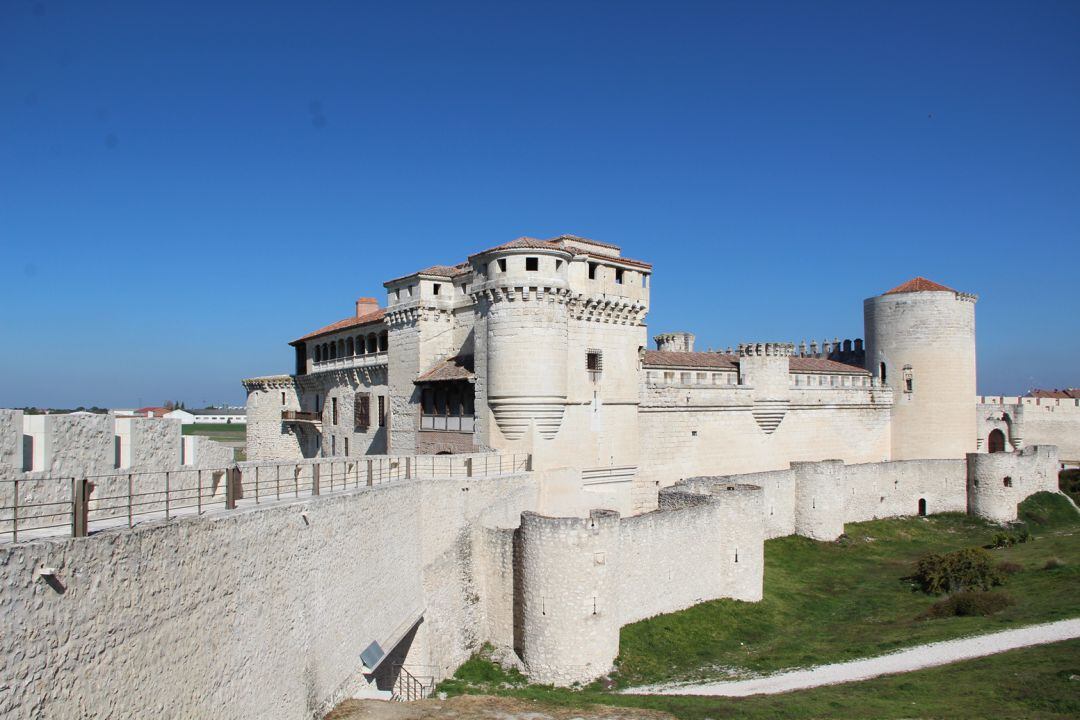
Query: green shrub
[(1002, 540), (970, 604), (1054, 563), (1008, 568), (967, 569)]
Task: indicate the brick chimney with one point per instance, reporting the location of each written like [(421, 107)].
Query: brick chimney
[(366, 306)]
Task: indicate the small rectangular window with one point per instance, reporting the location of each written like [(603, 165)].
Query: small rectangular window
[(333, 445), (594, 363), (282, 398), (592, 271), (346, 446), (558, 265), (382, 411), (483, 269), (532, 264), (435, 288), (618, 276), (333, 411), (362, 411), (502, 264)]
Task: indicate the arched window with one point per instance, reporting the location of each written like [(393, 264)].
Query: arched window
[(341, 348), (360, 345), (350, 349), (384, 341), (333, 351), (996, 442), (922, 507), (318, 354), (372, 343)]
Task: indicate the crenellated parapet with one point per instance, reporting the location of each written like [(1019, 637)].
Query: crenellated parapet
[(269, 382), (766, 349)]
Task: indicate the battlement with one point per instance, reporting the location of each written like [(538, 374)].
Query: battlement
[(768, 349), (678, 341)]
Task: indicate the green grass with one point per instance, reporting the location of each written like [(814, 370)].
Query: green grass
[(235, 432), (1038, 682), (837, 601), (830, 602)]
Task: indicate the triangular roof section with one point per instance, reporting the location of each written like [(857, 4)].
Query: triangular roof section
[(919, 284)]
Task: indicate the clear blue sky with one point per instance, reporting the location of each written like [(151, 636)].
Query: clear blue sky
[(186, 186)]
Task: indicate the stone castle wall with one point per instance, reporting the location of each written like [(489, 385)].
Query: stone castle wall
[(997, 482), (1031, 421), (287, 597)]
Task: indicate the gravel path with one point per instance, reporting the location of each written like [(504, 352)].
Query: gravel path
[(916, 658)]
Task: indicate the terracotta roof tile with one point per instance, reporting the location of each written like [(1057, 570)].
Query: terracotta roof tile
[(348, 322), (657, 358), (812, 365), (454, 368), (1066, 394), (918, 284)]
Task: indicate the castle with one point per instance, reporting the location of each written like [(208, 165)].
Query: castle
[(540, 346), (493, 456)]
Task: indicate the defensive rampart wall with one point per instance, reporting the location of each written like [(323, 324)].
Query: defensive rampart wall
[(260, 613)]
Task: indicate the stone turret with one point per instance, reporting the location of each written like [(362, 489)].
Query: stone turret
[(920, 341), (680, 341)]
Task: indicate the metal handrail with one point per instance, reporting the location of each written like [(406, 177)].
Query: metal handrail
[(33, 507)]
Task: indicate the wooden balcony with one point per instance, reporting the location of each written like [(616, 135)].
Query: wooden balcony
[(299, 416)]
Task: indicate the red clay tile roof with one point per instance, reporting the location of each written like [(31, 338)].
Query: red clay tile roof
[(527, 243), (455, 368), (821, 365), (348, 322), (918, 284), (572, 238), (1066, 394), (657, 358)]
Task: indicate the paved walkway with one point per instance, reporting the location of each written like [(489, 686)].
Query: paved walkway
[(916, 658)]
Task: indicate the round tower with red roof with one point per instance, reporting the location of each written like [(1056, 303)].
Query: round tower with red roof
[(920, 341)]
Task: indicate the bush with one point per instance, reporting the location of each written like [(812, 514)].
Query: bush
[(1054, 563), (967, 569), (1008, 568), (970, 604), (1007, 540)]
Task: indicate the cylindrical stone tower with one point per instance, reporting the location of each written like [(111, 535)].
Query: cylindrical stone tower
[(521, 294), (570, 613), (819, 499), (920, 341)]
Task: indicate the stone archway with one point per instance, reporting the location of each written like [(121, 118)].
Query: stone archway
[(996, 442)]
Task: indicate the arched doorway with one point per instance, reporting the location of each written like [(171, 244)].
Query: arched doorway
[(996, 441), (922, 507)]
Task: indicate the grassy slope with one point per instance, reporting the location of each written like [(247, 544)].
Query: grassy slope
[(829, 602), (1029, 683)]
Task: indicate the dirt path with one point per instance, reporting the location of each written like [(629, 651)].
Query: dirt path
[(916, 658), (480, 707)]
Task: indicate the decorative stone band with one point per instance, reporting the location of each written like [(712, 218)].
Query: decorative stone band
[(514, 414), (401, 317), (768, 349), (357, 376), (769, 414), (616, 310), (269, 382), (522, 293)]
